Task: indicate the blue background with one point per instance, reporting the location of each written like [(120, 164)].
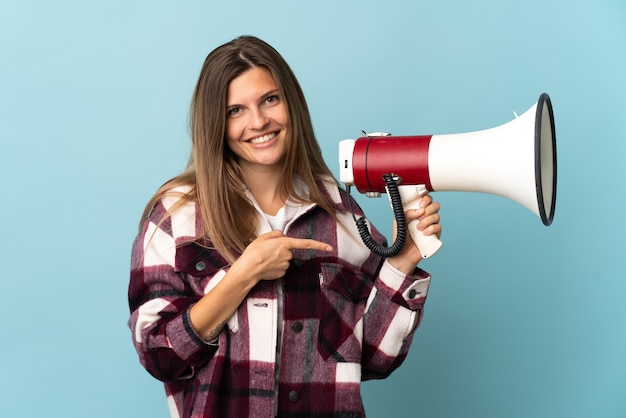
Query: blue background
[(522, 320)]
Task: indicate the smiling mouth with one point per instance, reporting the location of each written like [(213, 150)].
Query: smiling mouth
[(262, 139)]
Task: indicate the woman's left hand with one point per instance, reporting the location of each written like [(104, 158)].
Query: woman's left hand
[(428, 217)]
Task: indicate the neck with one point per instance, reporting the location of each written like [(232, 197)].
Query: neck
[(266, 188)]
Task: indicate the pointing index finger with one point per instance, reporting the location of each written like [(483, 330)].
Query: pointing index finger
[(309, 244)]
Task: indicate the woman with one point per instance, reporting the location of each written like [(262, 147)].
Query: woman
[(251, 293)]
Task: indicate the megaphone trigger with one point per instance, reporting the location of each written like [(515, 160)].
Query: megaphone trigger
[(411, 197)]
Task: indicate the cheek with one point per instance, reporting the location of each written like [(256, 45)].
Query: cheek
[(233, 131), (284, 116)]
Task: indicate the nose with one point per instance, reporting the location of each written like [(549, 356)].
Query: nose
[(258, 119)]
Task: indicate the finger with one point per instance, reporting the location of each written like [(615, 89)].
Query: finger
[(425, 200), (429, 223), (413, 214), (434, 229), (433, 207), (429, 210), (308, 244)]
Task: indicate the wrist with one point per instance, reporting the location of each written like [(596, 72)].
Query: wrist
[(242, 274), (403, 264)]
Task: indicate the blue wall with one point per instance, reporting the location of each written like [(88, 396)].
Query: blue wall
[(522, 320)]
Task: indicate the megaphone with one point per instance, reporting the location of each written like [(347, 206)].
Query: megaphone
[(516, 160)]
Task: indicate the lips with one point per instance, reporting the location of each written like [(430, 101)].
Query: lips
[(262, 139)]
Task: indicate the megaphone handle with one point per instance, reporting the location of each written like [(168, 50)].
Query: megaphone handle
[(411, 196)]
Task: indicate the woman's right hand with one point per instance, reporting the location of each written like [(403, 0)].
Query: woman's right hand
[(268, 256)]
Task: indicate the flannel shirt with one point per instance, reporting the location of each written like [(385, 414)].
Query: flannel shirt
[(296, 346)]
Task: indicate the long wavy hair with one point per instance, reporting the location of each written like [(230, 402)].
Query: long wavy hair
[(229, 220)]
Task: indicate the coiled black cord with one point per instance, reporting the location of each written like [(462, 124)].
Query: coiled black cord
[(391, 182)]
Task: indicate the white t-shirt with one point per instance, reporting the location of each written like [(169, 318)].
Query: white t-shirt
[(283, 216)]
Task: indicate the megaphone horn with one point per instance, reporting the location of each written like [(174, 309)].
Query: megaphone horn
[(516, 160)]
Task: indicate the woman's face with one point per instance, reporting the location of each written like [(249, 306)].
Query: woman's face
[(256, 120)]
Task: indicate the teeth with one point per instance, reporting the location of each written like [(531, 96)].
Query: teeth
[(262, 139)]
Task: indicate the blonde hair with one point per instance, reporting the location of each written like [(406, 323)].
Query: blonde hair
[(213, 172)]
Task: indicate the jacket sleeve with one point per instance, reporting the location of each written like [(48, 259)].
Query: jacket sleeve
[(393, 312), (160, 299)]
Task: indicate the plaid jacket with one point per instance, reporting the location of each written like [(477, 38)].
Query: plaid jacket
[(297, 346)]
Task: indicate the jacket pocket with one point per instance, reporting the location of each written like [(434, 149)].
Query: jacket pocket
[(202, 268), (344, 295)]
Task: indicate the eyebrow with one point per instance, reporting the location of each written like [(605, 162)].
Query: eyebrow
[(269, 93), (261, 97)]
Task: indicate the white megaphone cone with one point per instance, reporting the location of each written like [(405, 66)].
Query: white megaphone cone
[(516, 160)]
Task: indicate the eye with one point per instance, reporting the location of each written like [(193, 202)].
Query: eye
[(233, 111), (272, 99)]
